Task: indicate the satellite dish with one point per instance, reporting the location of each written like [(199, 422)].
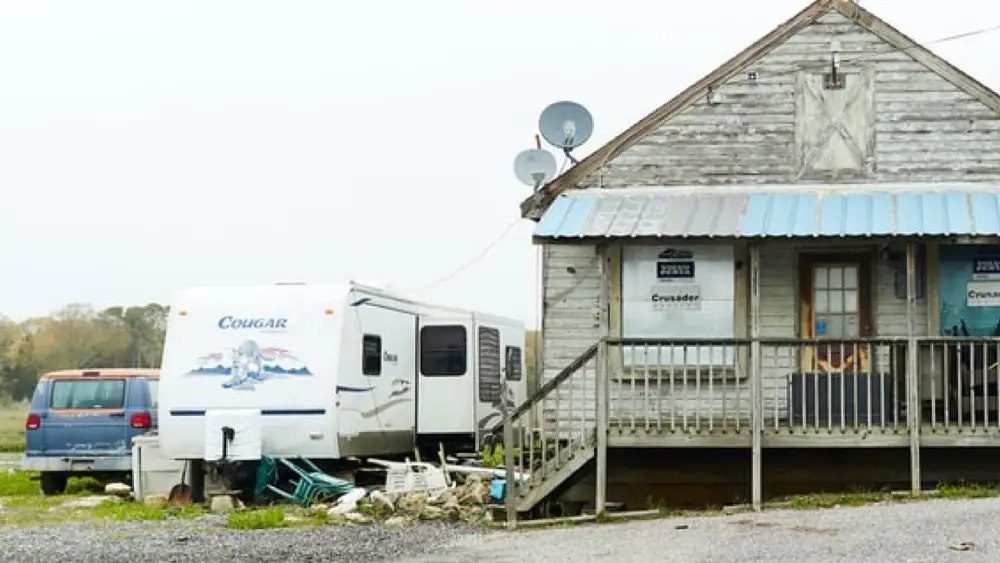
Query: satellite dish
[(566, 125), (534, 167)]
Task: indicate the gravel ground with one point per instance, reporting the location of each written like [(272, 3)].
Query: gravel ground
[(207, 539), (930, 531), (914, 532)]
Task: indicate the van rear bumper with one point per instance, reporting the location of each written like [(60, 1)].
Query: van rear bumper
[(77, 464)]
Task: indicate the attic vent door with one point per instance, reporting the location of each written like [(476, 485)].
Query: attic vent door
[(834, 127)]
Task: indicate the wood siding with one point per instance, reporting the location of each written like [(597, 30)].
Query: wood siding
[(924, 128), (571, 305)]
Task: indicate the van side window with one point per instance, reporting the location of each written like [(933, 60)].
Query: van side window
[(371, 354), (443, 351), (490, 385), (513, 356)]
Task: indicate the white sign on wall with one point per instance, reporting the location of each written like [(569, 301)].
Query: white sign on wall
[(679, 292), (983, 294)]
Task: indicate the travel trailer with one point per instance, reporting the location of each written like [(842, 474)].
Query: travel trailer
[(327, 372)]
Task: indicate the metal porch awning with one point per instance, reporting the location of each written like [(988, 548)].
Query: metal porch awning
[(796, 211)]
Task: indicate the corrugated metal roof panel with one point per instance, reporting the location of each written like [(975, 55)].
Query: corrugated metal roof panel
[(775, 211)]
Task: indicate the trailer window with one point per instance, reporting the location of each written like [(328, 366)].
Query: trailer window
[(443, 351), (490, 385), (371, 355), (513, 357)]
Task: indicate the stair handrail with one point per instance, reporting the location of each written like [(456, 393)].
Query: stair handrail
[(548, 387)]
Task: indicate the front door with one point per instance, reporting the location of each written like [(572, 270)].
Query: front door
[(835, 294)]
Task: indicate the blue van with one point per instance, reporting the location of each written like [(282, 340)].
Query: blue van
[(81, 422)]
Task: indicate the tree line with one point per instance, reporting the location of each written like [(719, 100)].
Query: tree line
[(78, 336)]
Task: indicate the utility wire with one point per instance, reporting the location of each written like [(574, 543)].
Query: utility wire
[(472, 262)]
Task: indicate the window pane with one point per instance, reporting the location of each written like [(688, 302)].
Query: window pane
[(851, 277), (835, 326), (88, 394), (837, 301), (836, 277), (513, 358), (371, 355), (851, 326), (154, 393), (820, 326), (819, 277), (821, 301), (850, 301), (443, 351)]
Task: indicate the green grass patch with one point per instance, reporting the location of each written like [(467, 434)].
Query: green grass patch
[(275, 517), (10, 445), (18, 483), (966, 490), (830, 500), (83, 485), (262, 519), (12, 427), (131, 511)]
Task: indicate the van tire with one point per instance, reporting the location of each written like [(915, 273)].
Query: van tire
[(53, 483)]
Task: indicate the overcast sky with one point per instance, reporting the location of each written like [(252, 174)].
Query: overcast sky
[(148, 146)]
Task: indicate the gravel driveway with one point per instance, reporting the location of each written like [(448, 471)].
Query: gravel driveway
[(207, 539), (912, 532)]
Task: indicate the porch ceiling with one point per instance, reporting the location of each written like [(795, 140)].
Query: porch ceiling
[(805, 211)]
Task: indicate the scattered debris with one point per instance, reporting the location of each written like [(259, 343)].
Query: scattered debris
[(156, 501), (963, 546), (118, 490), (222, 503)]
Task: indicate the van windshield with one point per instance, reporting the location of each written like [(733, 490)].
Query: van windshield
[(88, 394)]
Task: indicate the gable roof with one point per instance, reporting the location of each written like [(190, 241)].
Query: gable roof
[(533, 206)]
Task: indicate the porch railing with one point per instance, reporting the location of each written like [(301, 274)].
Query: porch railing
[(808, 386), (959, 384)]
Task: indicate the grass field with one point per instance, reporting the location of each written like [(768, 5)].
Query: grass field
[(12, 427)]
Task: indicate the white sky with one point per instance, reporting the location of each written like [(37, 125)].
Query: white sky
[(145, 147)]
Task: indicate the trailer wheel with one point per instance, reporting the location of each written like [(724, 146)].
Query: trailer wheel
[(53, 483)]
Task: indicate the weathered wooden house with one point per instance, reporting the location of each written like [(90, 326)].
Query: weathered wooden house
[(800, 251)]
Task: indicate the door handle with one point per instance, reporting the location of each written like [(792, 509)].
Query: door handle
[(117, 414)]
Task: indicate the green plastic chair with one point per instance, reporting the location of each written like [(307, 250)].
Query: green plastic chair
[(311, 486)]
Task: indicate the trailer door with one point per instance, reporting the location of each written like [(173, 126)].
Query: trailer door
[(445, 394)]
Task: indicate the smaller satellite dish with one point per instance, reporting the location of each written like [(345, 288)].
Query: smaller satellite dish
[(534, 167), (566, 125)]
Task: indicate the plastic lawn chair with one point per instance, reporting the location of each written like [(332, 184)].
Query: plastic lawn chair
[(320, 484), (267, 474)]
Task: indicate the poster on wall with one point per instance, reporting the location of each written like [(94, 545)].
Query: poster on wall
[(679, 292), (969, 289)]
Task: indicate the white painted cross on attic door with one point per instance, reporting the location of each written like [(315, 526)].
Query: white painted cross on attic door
[(834, 127)]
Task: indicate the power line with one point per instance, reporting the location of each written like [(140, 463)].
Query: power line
[(472, 262), (892, 51)]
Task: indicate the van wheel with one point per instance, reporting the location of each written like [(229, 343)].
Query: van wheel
[(53, 483)]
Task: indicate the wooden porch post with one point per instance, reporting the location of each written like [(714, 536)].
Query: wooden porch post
[(756, 383), (912, 376), (601, 393)]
